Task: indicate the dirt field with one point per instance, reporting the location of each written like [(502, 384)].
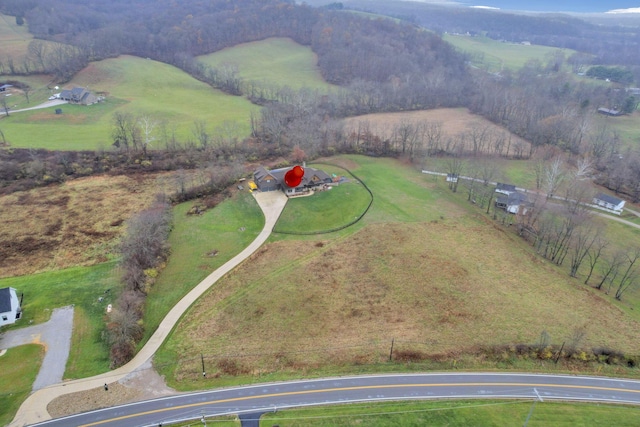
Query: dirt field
[(454, 121), (75, 223), (438, 288)]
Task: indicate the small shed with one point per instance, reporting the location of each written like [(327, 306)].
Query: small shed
[(505, 189)]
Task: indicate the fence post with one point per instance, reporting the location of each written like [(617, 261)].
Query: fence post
[(391, 351)]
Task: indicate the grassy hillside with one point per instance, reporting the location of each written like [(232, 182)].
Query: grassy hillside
[(133, 85), (14, 39), (493, 55), (423, 267), (274, 61)]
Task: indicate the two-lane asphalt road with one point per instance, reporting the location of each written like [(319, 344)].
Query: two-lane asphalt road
[(269, 397)]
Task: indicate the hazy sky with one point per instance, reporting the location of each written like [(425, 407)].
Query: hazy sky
[(584, 6)]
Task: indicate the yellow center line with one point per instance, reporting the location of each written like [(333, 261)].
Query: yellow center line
[(368, 387)]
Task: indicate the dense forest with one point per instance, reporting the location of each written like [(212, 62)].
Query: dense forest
[(381, 64)]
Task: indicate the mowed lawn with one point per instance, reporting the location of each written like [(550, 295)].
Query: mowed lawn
[(421, 268), (90, 290), (318, 213), (141, 87), (455, 414), (274, 62), (19, 367), (494, 55)]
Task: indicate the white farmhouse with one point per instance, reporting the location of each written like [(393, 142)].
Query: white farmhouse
[(608, 202), (10, 310)]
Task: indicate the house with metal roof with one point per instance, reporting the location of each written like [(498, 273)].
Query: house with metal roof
[(10, 310), (609, 202)]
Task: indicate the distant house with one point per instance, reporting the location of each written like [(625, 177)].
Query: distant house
[(608, 202), (515, 203), (271, 180), (452, 177), (10, 310), (505, 189), (609, 112), (78, 95)]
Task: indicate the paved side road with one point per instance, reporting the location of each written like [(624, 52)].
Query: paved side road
[(55, 335), (34, 409), (47, 104)]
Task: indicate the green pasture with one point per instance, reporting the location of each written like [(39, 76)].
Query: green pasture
[(628, 127), (18, 370), (81, 287), (199, 245), (493, 55), (14, 39), (455, 413), (141, 87), (273, 62), (399, 194)]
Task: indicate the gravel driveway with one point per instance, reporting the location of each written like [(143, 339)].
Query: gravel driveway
[(55, 335)]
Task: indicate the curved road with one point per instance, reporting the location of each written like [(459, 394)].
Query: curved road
[(270, 397), (34, 408)]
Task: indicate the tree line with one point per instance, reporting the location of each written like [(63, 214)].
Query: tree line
[(612, 40)]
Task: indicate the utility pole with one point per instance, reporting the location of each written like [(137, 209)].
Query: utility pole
[(204, 373), (391, 351)]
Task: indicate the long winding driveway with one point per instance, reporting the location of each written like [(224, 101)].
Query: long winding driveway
[(34, 408)]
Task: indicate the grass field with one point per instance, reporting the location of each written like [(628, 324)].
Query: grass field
[(274, 62), (14, 39), (493, 55), (422, 267), (80, 286), (19, 367), (454, 122), (75, 223), (199, 245), (456, 414), (133, 85)]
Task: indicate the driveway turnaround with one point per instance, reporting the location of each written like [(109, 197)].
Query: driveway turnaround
[(34, 409), (260, 398), (55, 335)]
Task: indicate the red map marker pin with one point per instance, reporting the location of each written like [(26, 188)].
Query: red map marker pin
[(293, 177)]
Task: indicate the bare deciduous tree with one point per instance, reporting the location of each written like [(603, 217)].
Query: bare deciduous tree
[(553, 176)]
